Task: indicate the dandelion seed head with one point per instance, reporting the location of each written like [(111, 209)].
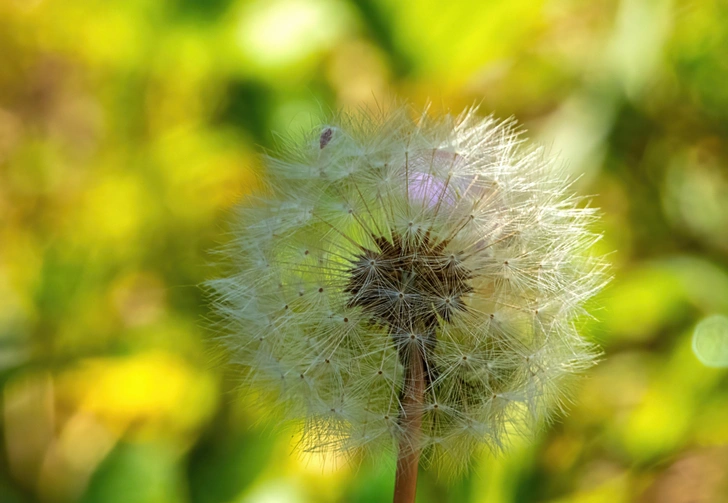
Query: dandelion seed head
[(381, 236)]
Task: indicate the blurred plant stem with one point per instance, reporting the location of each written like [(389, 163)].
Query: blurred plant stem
[(408, 460)]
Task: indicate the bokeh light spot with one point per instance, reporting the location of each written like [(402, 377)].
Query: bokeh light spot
[(710, 341), (285, 31)]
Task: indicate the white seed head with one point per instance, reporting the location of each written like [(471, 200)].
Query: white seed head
[(379, 235)]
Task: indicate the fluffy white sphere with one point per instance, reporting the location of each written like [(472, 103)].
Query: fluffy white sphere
[(383, 237)]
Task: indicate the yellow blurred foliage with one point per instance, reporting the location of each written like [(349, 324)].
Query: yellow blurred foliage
[(148, 394)]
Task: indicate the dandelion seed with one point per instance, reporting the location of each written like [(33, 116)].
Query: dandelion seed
[(456, 258)]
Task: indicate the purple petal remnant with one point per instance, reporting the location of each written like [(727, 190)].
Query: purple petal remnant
[(431, 188)]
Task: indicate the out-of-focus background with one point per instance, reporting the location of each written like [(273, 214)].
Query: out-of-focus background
[(129, 129)]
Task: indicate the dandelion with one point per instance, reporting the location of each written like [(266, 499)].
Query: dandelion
[(412, 285)]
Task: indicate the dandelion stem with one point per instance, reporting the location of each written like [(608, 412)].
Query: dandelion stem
[(408, 459)]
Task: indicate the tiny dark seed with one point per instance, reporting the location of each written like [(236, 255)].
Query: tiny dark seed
[(321, 290), (346, 320)]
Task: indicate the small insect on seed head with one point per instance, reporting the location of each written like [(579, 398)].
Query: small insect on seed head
[(325, 137)]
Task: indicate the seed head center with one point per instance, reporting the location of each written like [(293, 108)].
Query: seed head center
[(411, 286)]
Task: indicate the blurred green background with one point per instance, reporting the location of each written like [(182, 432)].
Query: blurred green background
[(129, 129)]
